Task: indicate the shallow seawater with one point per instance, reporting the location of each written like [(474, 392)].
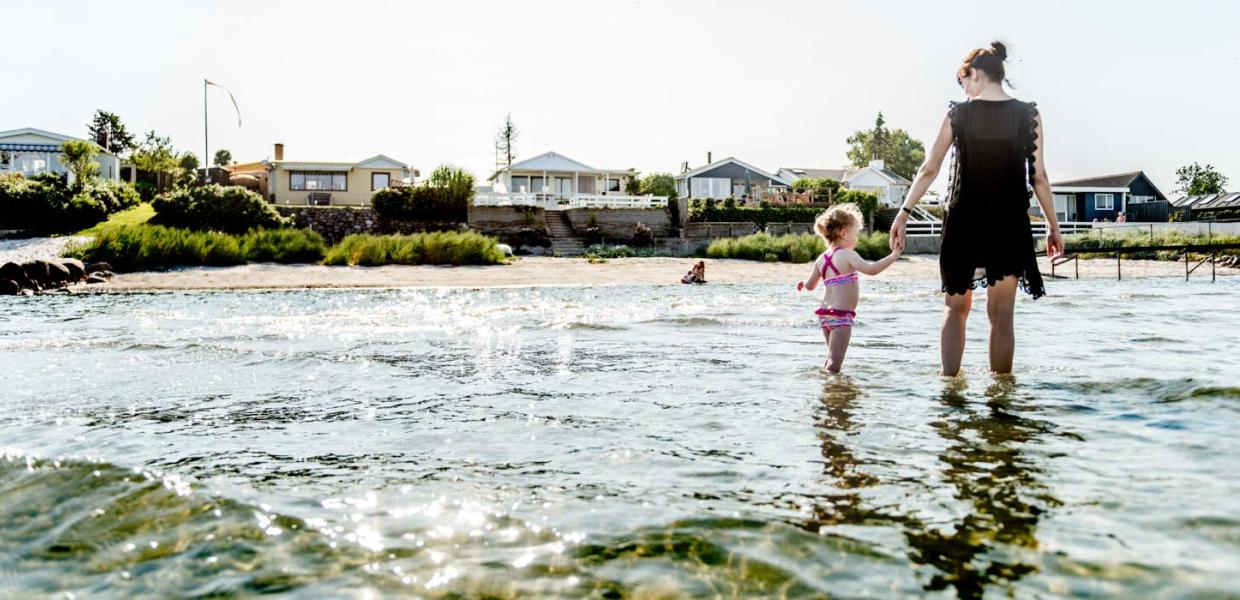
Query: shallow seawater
[(617, 442)]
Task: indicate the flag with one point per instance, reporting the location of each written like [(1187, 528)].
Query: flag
[(230, 97)]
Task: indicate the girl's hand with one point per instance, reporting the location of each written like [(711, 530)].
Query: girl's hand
[(800, 285)]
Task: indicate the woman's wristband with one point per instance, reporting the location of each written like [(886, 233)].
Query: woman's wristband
[(907, 210)]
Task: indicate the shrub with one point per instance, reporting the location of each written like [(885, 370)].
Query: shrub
[(231, 209), (422, 203), (794, 248), (48, 204), (436, 248), (643, 237), (140, 247), (601, 251)]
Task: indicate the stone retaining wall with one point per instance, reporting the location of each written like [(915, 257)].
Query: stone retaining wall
[(519, 227), (619, 223), (336, 222)]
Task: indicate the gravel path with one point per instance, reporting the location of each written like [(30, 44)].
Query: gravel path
[(35, 248)]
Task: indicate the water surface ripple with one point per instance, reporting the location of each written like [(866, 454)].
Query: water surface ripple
[(616, 442)]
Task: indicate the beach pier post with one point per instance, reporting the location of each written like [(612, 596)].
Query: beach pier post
[(1119, 271)]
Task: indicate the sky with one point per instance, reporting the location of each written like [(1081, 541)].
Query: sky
[(1122, 86)]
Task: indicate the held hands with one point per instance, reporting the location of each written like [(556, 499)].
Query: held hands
[(800, 286), (895, 238)]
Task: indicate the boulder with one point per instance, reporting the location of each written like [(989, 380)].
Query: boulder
[(37, 274), (95, 278), (58, 274), (14, 272), (505, 248), (98, 266), (77, 270), (8, 287), (26, 292)]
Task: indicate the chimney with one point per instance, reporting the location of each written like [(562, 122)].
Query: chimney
[(279, 151), (708, 160), (878, 164)]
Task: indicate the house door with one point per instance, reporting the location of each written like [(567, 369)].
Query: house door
[(563, 187), (585, 185)]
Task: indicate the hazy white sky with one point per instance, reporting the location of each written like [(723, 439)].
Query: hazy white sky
[(617, 84)]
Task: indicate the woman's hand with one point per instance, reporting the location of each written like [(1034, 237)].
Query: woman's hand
[(1054, 243), (896, 236)]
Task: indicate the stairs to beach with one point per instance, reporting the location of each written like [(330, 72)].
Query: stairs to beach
[(563, 241)]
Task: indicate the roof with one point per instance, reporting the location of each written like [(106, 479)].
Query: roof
[(735, 161), (1104, 181), (380, 161), (55, 138), (1209, 201), (377, 161), (812, 173), (553, 161), (888, 174)]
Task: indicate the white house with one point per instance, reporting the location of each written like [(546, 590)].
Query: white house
[(31, 151), (877, 179), (553, 180)]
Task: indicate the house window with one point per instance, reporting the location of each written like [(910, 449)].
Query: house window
[(613, 185), (1141, 199), (519, 184), (309, 181), (538, 185), (1104, 201), (380, 181)]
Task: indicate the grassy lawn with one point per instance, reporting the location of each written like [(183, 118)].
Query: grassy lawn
[(133, 216)]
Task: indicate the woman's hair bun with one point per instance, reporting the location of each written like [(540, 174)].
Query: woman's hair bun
[(999, 49)]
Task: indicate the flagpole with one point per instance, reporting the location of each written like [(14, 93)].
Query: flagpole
[(206, 170)]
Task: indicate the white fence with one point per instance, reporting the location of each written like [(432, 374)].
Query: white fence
[(564, 202), (935, 227), (1186, 227)]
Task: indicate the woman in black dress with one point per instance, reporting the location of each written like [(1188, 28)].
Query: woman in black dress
[(987, 240)]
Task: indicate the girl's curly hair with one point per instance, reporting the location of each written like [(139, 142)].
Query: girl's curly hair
[(832, 224)]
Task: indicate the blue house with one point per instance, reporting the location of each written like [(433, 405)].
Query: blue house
[(730, 178), (1102, 198)]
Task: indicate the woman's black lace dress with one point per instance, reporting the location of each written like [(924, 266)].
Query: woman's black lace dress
[(987, 224)]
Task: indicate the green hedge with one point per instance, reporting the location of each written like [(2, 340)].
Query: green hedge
[(794, 248), (46, 203), (229, 209), (145, 247), (422, 203), (1102, 240), (598, 251), (710, 210), (437, 248)]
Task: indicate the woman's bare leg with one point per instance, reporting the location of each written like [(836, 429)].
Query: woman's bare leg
[(1000, 306), (951, 338), (837, 345)]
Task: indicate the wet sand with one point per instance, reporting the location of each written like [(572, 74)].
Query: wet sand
[(545, 271)]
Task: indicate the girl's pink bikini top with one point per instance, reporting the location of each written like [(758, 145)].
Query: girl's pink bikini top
[(838, 279)]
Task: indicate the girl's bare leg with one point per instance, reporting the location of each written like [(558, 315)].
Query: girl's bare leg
[(837, 345), (951, 337), (1000, 306)]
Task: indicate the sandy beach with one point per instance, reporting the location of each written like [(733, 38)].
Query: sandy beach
[(543, 271)]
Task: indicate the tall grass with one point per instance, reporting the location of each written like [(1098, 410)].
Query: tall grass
[(437, 248), (144, 247), (794, 248)]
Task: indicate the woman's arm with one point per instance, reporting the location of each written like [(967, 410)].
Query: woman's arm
[(1042, 189), (926, 175), (871, 268), (812, 282)]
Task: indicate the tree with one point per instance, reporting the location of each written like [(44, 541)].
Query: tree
[(187, 170), (900, 153), (108, 131), (505, 140), (79, 157), (457, 183), (155, 155), (1197, 180), (659, 184), (223, 158)]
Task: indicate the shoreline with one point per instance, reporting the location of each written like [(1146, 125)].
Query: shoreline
[(563, 272)]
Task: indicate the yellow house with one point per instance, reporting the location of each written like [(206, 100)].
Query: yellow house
[(301, 183)]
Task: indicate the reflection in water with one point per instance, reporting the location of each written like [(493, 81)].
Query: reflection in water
[(835, 422), (985, 462)]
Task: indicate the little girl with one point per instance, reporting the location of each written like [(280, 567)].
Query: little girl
[(840, 226)]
